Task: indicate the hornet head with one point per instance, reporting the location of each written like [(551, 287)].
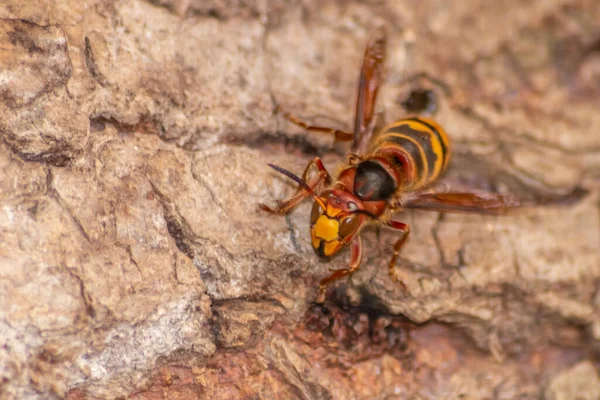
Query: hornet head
[(336, 217)]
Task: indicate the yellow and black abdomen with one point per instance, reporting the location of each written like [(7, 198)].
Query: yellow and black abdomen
[(418, 147)]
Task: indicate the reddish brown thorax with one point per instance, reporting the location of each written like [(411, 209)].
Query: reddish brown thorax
[(346, 183)]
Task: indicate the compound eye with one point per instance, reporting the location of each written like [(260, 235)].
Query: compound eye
[(352, 206), (349, 226), (315, 213)]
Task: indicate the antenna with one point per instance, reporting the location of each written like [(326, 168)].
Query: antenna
[(301, 183)]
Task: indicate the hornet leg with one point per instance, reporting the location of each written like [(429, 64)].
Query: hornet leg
[(392, 266), (339, 135), (322, 177), (356, 250)]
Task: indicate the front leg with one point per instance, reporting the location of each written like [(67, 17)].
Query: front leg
[(392, 266), (356, 251), (315, 183)]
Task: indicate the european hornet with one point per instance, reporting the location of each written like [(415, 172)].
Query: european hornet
[(386, 172)]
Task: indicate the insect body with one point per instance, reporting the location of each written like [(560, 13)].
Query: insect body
[(406, 155), (386, 172)]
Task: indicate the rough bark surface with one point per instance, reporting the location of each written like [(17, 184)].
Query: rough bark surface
[(134, 142)]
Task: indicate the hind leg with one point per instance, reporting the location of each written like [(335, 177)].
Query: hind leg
[(339, 135), (397, 247)]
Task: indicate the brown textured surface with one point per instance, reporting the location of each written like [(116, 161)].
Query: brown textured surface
[(134, 142)]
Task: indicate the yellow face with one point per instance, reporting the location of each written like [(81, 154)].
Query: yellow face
[(331, 229)]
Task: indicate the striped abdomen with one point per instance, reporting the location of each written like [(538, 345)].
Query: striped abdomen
[(417, 147)]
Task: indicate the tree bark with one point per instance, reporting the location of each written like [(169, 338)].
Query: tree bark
[(134, 263)]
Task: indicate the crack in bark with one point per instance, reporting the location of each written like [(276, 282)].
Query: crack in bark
[(445, 264), (56, 156), (175, 275), (91, 64), (53, 193), (85, 296), (60, 70), (127, 249), (149, 124), (436, 238), (249, 299), (132, 259), (178, 228), (198, 249), (263, 140), (460, 253), (206, 186)]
